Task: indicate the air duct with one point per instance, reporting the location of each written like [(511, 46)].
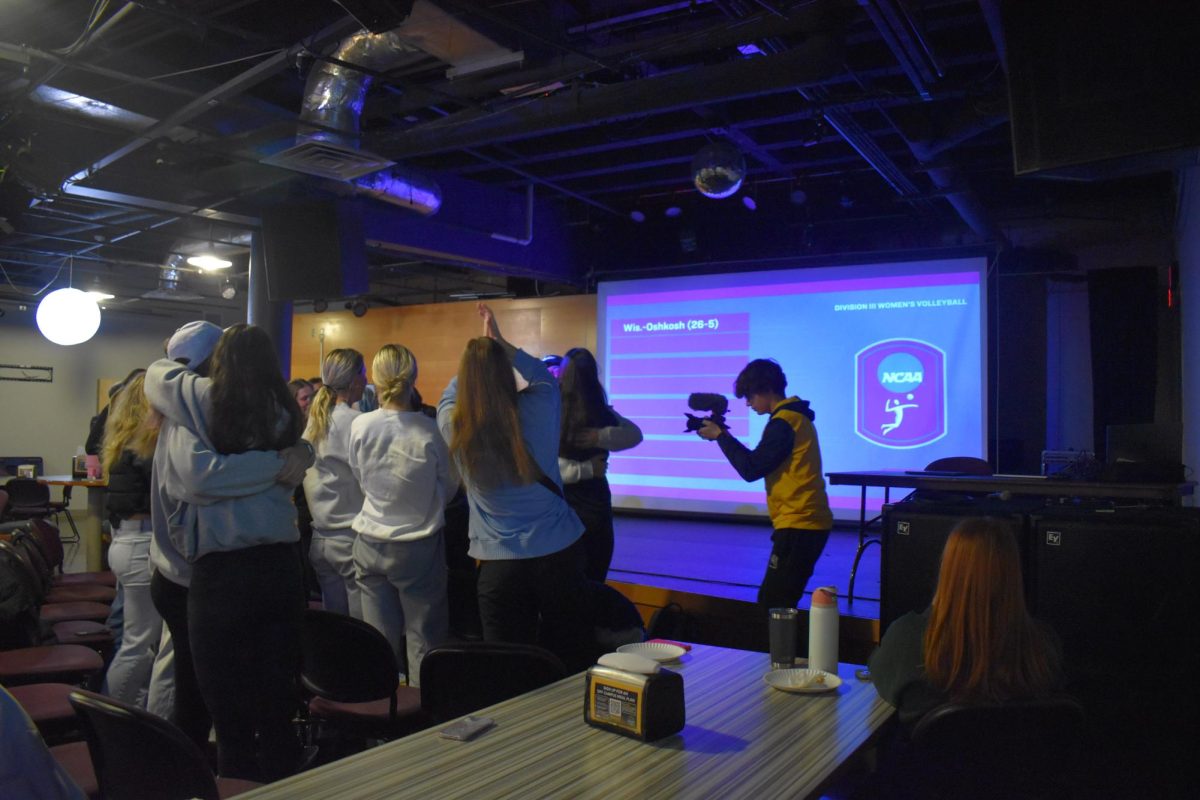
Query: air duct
[(328, 143)]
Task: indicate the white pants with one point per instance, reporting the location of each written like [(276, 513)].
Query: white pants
[(332, 557), (403, 588), (128, 676)]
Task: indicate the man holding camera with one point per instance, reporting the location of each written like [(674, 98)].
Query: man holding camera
[(789, 457)]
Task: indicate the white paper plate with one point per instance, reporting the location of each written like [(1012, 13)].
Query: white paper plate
[(803, 681), (659, 651)]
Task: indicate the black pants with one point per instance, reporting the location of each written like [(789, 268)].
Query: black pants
[(190, 714), (591, 500), (794, 554), (515, 595), (245, 610)]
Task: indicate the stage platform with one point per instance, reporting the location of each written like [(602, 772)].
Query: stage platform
[(712, 567)]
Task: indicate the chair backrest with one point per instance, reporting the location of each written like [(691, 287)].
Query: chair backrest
[(3, 503), (347, 660), (25, 494), (1006, 750), (139, 756), (968, 465), (457, 679)]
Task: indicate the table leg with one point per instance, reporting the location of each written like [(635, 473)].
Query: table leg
[(92, 529)]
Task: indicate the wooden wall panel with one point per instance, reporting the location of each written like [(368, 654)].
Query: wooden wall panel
[(437, 333)]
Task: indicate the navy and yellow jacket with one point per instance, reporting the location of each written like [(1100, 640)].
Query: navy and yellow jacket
[(789, 457)]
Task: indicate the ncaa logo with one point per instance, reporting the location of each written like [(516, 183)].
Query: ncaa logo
[(900, 393)]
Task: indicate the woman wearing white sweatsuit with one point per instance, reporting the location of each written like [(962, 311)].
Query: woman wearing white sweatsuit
[(334, 496), (403, 466)]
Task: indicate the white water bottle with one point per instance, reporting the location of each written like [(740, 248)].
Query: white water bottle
[(823, 630)]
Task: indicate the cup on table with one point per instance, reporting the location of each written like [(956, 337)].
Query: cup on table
[(781, 630)]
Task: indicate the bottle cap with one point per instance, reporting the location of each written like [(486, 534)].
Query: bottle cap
[(825, 596)]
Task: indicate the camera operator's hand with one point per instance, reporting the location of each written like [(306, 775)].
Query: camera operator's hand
[(709, 430)]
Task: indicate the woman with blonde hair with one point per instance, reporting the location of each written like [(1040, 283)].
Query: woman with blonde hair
[(531, 583), (402, 464), (332, 490), (130, 436), (976, 642)]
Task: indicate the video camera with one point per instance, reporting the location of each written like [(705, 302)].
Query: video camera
[(715, 404)]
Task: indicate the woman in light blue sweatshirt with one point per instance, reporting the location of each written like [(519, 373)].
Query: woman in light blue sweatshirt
[(245, 601), (505, 444)]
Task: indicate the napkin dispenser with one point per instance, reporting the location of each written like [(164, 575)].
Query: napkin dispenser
[(635, 699)]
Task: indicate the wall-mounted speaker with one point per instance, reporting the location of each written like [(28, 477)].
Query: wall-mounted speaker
[(314, 250)]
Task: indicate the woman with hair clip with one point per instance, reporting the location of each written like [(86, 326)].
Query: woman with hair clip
[(333, 493), (505, 444), (404, 468), (245, 600), (590, 430), (130, 436), (976, 642)]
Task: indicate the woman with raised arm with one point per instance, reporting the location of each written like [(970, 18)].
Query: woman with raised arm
[(505, 444), (404, 468), (591, 429), (976, 642), (332, 490)]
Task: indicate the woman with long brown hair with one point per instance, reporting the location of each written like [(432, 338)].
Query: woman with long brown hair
[(976, 642), (591, 429), (505, 443), (226, 485)]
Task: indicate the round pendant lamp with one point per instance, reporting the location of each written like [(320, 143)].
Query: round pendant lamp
[(68, 316)]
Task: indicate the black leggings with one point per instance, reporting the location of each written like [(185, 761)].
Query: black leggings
[(190, 714), (245, 611)]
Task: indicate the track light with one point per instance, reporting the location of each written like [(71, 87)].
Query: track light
[(320, 305), (358, 308), (208, 261)]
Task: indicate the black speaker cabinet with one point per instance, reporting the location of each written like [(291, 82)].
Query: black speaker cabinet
[(914, 535), (1121, 590), (314, 250)]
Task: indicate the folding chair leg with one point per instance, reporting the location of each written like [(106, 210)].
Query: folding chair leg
[(71, 520)]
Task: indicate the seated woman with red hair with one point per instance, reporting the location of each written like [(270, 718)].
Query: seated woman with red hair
[(976, 642)]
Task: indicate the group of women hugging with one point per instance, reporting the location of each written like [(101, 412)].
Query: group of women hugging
[(205, 450)]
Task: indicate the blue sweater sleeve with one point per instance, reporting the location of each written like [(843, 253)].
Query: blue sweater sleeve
[(773, 449)]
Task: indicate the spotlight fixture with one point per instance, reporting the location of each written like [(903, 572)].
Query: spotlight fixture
[(97, 293), (637, 216), (209, 261), (798, 196), (358, 307), (320, 305), (749, 203), (228, 289), (673, 211)]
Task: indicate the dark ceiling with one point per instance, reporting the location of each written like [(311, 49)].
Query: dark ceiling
[(131, 131)]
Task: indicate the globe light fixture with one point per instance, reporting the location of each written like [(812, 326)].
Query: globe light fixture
[(228, 289), (68, 316)]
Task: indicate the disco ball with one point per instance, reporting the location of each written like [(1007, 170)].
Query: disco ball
[(718, 170)]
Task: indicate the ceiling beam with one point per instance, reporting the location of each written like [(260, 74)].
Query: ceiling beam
[(816, 60)]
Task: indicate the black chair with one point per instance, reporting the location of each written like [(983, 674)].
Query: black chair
[(351, 670), (1025, 749), (139, 756), (967, 465), (460, 678), (29, 499)]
